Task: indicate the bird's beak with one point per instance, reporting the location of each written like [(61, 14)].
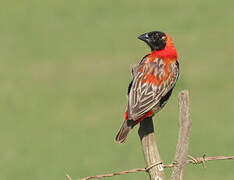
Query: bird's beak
[(144, 37)]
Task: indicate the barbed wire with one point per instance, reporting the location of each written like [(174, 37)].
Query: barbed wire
[(192, 160)]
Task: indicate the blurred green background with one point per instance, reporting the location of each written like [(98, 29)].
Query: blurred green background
[(65, 67)]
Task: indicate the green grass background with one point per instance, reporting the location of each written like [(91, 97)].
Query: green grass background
[(65, 67)]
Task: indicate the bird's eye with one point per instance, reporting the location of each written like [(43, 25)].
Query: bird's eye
[(164, 38)]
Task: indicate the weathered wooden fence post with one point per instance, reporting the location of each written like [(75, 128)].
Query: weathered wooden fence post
[(150, 150), (182, 147)]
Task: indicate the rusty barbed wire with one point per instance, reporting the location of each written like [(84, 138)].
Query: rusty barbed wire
[(192, 160)]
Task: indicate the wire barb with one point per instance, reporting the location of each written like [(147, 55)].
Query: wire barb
[(194, 160)]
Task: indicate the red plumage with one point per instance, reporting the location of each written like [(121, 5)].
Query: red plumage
[(153, 81)]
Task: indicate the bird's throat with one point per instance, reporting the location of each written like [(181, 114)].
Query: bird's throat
[(166, 53), (169, 52)]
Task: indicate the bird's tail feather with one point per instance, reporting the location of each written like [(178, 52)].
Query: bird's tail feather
[(124, 130)]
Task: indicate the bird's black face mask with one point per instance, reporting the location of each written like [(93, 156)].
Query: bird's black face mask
[(155, 39)]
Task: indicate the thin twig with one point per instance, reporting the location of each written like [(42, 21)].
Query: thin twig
[(183, 138), (68, 177), (197, 160)]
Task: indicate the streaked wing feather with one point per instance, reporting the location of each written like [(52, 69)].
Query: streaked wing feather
[(144, 96)]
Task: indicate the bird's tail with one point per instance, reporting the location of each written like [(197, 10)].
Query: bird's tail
[(124, 130)]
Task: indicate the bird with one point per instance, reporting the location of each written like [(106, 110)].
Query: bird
[(153, 80)]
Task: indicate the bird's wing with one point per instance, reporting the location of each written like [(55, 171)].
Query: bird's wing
[(152, 81)]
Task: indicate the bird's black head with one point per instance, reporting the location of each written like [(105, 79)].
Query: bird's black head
[(155, 39)]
